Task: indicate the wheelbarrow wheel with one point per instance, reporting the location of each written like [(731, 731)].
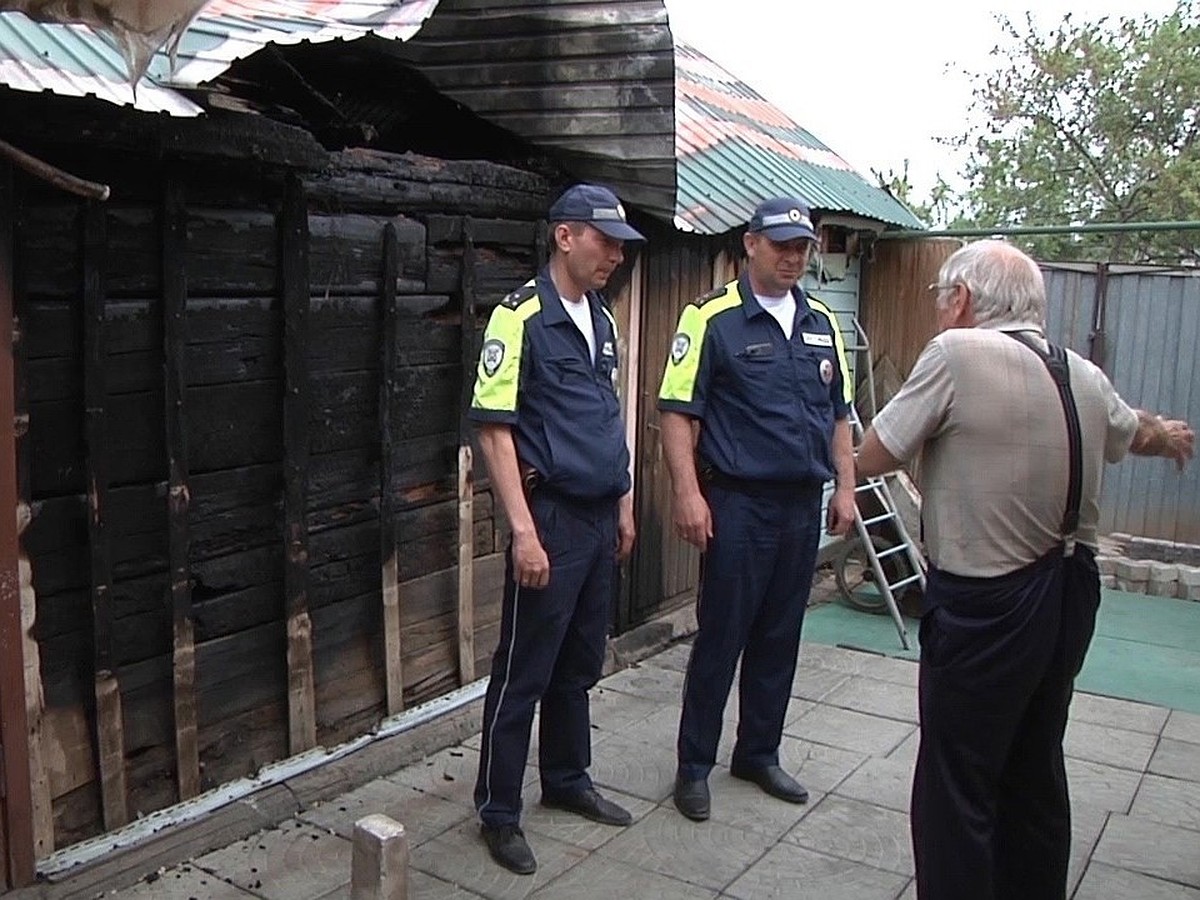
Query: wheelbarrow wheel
[(856, 579)]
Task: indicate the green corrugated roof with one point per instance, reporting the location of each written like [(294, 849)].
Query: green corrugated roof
[(733, 149)]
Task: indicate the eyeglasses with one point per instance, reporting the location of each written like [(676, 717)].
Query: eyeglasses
[(942, 287)]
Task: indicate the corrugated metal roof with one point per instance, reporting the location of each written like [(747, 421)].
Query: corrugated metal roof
[(733, 148), (75, 60)]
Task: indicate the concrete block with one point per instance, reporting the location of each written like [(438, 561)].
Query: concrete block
[(1189, 582), (1133, 575), (1107, 564), (1164, 579), (379, 865), (1108, 581)]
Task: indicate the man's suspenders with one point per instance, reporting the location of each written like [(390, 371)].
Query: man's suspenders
[(1055, 359)]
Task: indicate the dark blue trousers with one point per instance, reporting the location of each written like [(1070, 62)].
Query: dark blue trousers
[(551, 649), (991, 818), (755, 580)]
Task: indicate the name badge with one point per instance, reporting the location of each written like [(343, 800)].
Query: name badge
[(818, 340)]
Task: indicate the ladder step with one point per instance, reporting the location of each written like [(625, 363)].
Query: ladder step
[(903, 582), (876, 519), (884, 554), (871, 485)]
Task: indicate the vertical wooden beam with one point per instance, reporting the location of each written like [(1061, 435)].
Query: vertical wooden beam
[(466, 479), (293, 257), (174, 273), (43, 811), (389, 520), (110, 733), (16, 823)]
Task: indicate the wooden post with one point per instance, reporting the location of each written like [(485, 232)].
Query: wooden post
[(293, 257), (110, 732), (43, 812), (16, 823), (379, 860), (174, 263), (466, 480), (389, 520)]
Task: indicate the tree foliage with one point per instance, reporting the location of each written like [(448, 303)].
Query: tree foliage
[(1089, 123)]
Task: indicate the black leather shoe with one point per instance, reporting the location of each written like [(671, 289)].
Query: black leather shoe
[(774, 781), (590, 805), (691, 798), (508, 847)]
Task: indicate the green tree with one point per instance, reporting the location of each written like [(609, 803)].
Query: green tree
[(1089, 123)]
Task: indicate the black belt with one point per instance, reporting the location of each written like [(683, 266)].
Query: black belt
[(1055, 359), (756, 486)]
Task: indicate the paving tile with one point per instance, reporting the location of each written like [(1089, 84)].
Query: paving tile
[(1183, 726), (892, 668), (642, 770), (818, 767), (1104, 882), (295, 861), (1164, 851), (1111, 746), (1168, 800), (426, 887), (1086, 827), (613, 711), (850, 730), (883, 782), (785, 868), (600, 876), (663, 686), (848, 662), (856, 831), (910, 892), (1096, 786), (1117, 713), (460, 857), (744, 805), (423, 815), (708, 854), (815, 682), (449, 774), (1176, 759), (907, 751), (182, 883), (576, 830), (674, 658), (875, 697)]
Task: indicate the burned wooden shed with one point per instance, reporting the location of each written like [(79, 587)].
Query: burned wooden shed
[(250, 522)]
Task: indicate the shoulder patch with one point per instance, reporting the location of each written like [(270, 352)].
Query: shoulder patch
[(712, 295), (519, 296)]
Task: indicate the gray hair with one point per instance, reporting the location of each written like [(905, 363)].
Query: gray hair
[(1005, 284)]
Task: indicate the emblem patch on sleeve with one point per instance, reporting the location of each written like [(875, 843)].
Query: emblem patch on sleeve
[(492, 356), (680, 345), (826, 372)]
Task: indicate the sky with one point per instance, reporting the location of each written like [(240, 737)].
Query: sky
[(877, 82)]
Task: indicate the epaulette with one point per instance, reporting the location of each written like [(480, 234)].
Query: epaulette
[(712, 295), (519, 296)]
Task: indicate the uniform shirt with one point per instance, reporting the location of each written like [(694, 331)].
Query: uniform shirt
[(535, 374), (767, 403), (995, 468)]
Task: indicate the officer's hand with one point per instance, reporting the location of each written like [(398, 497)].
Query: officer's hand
[(626, 532), (531, 565), (693, 519), (840, 517)]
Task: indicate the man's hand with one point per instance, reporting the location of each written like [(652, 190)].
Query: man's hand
[(693, 518), (1181, 442), (626, 531), (531, 565), (840, 516), (1169, 438)]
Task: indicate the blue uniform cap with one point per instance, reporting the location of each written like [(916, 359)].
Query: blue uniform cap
[(782, 219), (598, 207)]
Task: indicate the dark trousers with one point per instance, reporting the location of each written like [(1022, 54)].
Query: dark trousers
[(551, 649), (991, 817), (754, 584)]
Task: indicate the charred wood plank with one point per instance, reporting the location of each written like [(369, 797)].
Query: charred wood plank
[(174, 313), (110, 738), (466, 486), (293, 254), (389, 535)]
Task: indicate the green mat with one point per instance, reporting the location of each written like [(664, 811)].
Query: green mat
[(1146, 648)]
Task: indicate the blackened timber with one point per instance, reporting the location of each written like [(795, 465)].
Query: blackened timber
[(293, 256), (389, 535), (540, 237), (110, 737), (43, 814), (466, 481), (174, 311), (16, 824)]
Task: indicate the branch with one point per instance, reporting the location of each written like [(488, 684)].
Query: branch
[(55, 176)]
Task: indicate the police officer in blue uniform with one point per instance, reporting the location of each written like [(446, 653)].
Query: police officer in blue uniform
[(754, 405), (551, 431)]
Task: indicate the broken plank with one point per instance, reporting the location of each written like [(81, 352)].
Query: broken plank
[(466, 489), (389, 536)]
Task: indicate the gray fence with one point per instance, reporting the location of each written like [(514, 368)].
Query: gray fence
[(1142, 326)]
